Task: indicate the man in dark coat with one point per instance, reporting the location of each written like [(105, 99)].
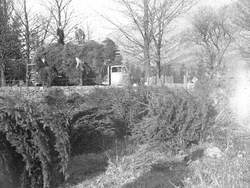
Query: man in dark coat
[(60, 34)]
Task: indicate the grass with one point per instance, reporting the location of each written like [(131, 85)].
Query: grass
[(230, 171), (84, 167), (131, 170), (149, 167), (227, 172)]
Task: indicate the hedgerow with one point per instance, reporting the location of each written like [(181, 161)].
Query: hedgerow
[(42, 137), (102, 119), (39, 133), (175, 119)]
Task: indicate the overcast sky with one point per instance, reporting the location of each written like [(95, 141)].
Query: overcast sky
[(88, 12)]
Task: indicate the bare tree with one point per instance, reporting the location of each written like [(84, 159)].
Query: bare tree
[(42, 32), (27, 37), (242, 20), (243, 14), (34, 30), (163, 13), (138, 33), (212, 35), (146, 33), (24, 17), (148, 20), (61, 15), (80, 36)]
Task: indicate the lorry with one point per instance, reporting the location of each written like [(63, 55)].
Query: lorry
[(117, 75)]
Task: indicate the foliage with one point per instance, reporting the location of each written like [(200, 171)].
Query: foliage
[(10, 47), (126, 104), (9, 37), (212, 35), (242, 21), (15, 71), (50, 69), (145, 166), (61, 126), (92, 54), (174, 119), (46, 135), (136, 74), (111, 52), (61, 18), (127, 169), (93, 121), (39, 134), (83, 167), (60, 60), (105, 116), (11, 164), (192, 117), (230, 170), (98, 122), (79, 35)]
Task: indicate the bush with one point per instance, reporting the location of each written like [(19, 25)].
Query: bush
[(101, 119), (37, 138), (174, 119), (46, 134)]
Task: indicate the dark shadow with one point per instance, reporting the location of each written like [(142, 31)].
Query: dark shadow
[(163, 175), (93, 132), (86, 166)]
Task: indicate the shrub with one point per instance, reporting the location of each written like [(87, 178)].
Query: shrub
[(174, 119), (38, 139), (105, 115), (46, 134)]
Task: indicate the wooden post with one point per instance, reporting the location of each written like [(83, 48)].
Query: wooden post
[(109, 74)]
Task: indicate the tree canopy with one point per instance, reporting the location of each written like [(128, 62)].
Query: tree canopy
[(212, 35), (242, 20)]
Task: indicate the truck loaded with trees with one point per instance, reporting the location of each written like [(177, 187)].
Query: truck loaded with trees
[(75, 64)]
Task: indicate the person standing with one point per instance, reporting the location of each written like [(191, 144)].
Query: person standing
[(60, 34)]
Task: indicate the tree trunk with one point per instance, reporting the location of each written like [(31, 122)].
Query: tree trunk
[(147, 62), (5, 9), (158, 62), (146, 50), (2, 77), (27, 39)]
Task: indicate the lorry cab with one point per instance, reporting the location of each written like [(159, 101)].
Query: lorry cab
[(117, 75)]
